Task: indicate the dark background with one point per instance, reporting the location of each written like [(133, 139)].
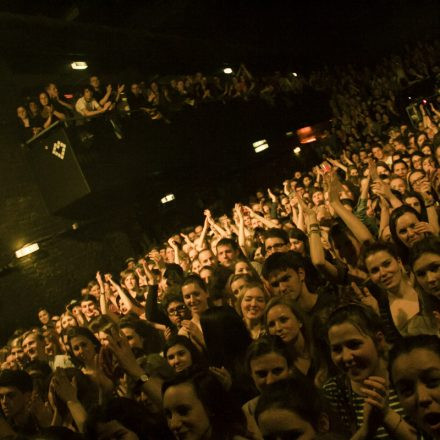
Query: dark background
[(203, 157)]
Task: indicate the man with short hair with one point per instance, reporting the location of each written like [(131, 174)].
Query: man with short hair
[(227, 252), (15, 394), (89, 307), (87, 106), (33, 346), (286, 275), (276, 240)]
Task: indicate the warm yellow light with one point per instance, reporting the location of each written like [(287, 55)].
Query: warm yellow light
[(297, 150), (167, 198), (26, 250), (79, 65), (227, 70)]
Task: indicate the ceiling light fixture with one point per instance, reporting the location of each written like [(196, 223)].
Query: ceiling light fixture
[(26, 250), (260, 146), (168, 198), (79, 65)]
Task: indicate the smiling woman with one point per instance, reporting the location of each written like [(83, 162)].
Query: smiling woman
[(362, 390), (400, 301), (415, 372), (197, 407)]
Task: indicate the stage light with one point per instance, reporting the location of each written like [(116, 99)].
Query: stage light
[(260, 145), (79, 65), (297, 150), (227, 70), (168, 198), (294, 74), (26, 250)]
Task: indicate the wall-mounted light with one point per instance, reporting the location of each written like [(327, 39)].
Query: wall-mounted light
[(26, 250), (168, 198), (227, 70), (79, 65), (260, 145)]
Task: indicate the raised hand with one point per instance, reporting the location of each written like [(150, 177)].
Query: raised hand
[(365, 297), (64, 388)]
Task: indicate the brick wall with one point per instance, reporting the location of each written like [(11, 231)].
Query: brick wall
[(67, 259)]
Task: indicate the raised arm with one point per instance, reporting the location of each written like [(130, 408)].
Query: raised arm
[(358, 229), (317, 254)]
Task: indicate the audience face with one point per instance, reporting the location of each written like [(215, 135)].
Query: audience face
[(130, 282), (267, 369), (253, 304), (179, 358), (133, 338), (94, 82), (353, 352), (225, 255), (13, 402), (22, 112), (68, 321), (206, 258), (416, 380), (242, 268), (378, 153), (185, 413), (318, 198), (88, 309), (282, 322), (44, 99), (195, 298), (88, 95), (286, 282), (384, 270), (275, 244), (414, 202), (398, 184), (297, 246), (177, 312), (52, 90), (44, 317), (237, 285), (83, 349), (33, 347), (205, 275), (406, 229), (427, 272)]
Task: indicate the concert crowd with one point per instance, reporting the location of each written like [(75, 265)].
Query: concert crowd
[(312, 311)]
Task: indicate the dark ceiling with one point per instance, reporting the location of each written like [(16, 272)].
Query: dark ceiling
[(183, 36)]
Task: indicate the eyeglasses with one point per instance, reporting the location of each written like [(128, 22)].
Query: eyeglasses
[(177, 310), (275, 246)]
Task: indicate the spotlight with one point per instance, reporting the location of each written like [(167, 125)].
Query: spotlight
[(79, 65), (168, 198), (294, 74), (26, 250), (297, 150), (260, 146), (227, 70)]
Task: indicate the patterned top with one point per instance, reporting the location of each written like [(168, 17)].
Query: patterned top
[(349, 405)]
